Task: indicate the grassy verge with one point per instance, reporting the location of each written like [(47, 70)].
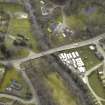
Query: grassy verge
[(97, 85), (9, 7), (3, 99), (103, 103), (59, 91)]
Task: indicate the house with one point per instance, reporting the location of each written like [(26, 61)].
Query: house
[(21, 15), (74, 55), (81, 69), (60, 29), (100, 72), (102, 77), (79, 62), (15, 85), (92, 47), (77, 54), (53, 26), (46, 8), (103, 81)]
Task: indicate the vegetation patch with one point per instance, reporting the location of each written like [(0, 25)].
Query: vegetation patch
[(4, 100), (59, 91), (11, 76), (22, 27), (19, 38), (88, 14), (11, 7), (98, 89), (103, 103)]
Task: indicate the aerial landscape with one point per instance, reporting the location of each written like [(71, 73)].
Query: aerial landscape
[(52, 52)]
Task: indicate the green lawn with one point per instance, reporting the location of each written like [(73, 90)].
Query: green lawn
[(59, 91), (10, 75), (97, 85), (3, 99), (21, 53), (23, 27), (9, 7), (103, 103), (80, 20), (88, 57), (18, 26), (76, 22)]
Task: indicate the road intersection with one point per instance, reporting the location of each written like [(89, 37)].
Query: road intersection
[(54, 50), (18, 62)]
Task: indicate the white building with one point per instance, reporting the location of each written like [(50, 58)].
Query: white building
[(73, 59)]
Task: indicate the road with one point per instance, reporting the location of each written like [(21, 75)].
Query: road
[(54, 50), (93, 69), (101, 50), (86, 80), (16, 98), (34, 97), (44, 53)]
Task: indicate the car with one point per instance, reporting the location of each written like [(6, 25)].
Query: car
[(75, 44)]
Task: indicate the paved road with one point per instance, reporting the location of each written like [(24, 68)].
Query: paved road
[(99, 99), (51, 51), (34, 97), (16, 98), (101, 50), (95, 95), (34, 56), (54, 50), (94, 68)]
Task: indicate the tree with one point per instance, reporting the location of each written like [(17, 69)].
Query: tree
[(59, 2)]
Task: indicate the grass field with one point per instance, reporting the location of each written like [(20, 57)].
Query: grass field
[(10, 75), (9, 7), (80, 20), (76, 22), (18, 26), (3, 99), (23, 27), (103, 103), (88, 57), (21, 53), (59, 91), (53, 82), (97, 85)]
